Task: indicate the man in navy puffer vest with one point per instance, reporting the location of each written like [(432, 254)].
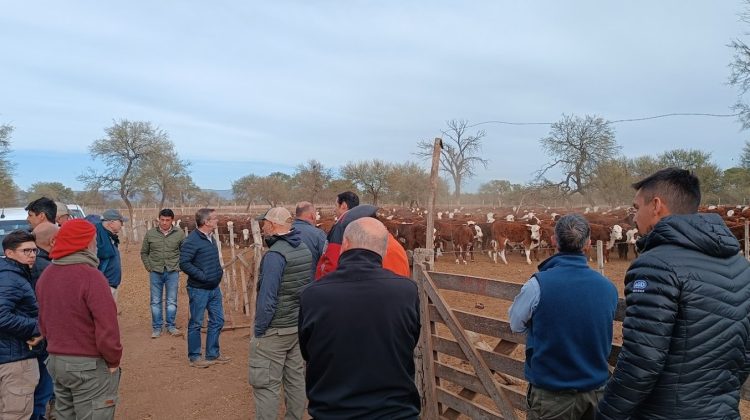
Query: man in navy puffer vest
[(567, 310)]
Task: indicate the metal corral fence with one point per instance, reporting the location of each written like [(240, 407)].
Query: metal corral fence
[(488, 382)]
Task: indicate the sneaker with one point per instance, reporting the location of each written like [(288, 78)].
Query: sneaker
[(200, 363), (220, 360), (174, 332), (156, 334)]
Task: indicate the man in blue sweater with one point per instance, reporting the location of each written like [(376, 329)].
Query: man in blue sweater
[(566, 309)]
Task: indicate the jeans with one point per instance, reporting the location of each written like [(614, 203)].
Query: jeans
[(159, 282), (202, 300)]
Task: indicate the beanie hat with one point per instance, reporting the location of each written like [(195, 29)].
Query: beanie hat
[(73, 236)]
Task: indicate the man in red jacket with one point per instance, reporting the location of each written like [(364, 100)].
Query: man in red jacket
[(78, 316)]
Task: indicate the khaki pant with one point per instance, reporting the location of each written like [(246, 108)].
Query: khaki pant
[(84, 387), (562, 405), (17, 382), (275, 358)]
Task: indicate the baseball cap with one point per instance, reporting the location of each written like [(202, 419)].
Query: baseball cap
[(278, 215), (113, 214)]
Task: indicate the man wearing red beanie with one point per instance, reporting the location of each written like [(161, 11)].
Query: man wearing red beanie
[(78, 316)]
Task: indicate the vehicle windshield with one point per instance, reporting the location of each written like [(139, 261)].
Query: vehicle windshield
[(8, 226)]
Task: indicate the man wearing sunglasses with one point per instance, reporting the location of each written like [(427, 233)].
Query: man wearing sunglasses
[(19, 327)]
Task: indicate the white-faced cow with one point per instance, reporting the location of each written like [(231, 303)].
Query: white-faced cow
[(504, 233)]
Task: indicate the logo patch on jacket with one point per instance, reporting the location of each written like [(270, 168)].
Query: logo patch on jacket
[(639, 286)]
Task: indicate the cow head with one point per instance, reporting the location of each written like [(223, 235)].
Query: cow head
[(510, 218), (615, 232), (535, 232), (631, 235)]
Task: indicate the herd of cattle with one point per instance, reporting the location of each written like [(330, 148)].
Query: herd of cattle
[(496, 231)]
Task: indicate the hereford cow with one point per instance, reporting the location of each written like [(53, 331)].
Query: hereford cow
[(505, 233), (608, 235)]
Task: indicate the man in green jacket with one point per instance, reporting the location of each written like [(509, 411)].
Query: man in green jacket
[(160, 253)]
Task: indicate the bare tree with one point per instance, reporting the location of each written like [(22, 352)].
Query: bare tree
[(274, 188), (460, 153), (164, 172), (370, 176), (407, 184), (310, 179), (612, 181), (245, 189), (124, 150), (577, 146)]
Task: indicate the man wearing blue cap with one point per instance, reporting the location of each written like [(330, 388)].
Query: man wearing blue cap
[(107, 247)]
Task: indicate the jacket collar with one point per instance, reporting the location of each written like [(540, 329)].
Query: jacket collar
[(360, 257), (570, 259)]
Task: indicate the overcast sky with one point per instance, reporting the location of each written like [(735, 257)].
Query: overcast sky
[(256, 88)]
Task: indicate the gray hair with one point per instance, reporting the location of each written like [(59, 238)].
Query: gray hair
[(367, 233), (572, 232), (202, 215), (304, 207)]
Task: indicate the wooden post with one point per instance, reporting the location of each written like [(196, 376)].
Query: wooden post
[(429, 242), (424, 355), (600, 256), (134, 225), (233, 283), (747, 236), (257, 255)]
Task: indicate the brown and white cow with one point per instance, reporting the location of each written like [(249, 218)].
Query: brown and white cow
[(608, 235), (505, 233)]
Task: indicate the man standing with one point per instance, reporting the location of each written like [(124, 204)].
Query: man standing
[(19, 329), (199, 259), (314, 238), (567, 310), (78, 316), (687, 326), (41, 210), (107, 247), (63, 214), (274, 350), (395, 258), (44, 392), (358, 328), (328, 262), (160, 253)]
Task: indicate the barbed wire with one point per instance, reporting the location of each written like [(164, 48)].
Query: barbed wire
[(653, 117)]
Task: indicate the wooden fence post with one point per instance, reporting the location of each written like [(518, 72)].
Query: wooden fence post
[(257, 255), (429, 241), (424, 354), (600, 256), (747, 238), (233, 280)]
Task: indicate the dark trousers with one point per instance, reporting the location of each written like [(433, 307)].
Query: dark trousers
[(562, 405)]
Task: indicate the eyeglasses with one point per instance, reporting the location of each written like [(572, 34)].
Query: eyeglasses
[(29, 251)]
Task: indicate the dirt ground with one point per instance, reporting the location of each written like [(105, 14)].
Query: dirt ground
[(157, 382)]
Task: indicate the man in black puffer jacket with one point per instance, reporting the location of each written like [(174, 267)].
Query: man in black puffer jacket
[(19, 327), (686, 328)]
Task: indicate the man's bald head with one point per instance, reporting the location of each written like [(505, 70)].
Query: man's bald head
[(45, 232), (365, 233), (305, 211)]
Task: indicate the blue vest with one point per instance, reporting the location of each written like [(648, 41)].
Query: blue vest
[(570, 337)]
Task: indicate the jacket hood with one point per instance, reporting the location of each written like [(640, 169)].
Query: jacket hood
[(703, 232), (293, 237), (363, 210)]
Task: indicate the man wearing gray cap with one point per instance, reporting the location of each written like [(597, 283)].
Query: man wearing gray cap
[(107, 247), (275, 356)]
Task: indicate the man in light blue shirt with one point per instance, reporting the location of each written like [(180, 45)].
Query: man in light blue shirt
[(566, 310)]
